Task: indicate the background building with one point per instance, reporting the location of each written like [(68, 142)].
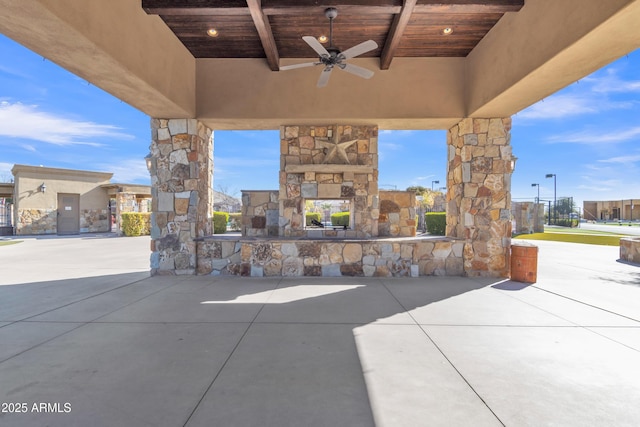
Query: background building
[(45, 200), (623, 210)]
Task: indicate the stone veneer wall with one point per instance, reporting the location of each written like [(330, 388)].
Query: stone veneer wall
[(479, 170), (45, 221), (397, 214), (329, 258), (37, 221), (94, 220), (329, 162), (528, 217), (181, 171), (630, 249), (260, 213)]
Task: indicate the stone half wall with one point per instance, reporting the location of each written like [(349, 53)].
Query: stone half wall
[(260, 213), (329, 162), (330, 258), (479, 170), (36, 221), (45, 221), (528, 217), (397, 214), (630, 249)]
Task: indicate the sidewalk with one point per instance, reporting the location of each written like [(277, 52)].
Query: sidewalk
[(124, 349)]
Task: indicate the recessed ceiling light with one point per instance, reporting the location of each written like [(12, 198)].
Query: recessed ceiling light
[(447, 31), (323, 39), (212, 32)]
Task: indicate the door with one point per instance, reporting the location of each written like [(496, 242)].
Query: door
[(68, 213)]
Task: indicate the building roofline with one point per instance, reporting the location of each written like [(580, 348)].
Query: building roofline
[(59, 171)]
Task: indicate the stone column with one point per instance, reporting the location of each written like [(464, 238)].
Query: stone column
[(479, 171), (181, 168)]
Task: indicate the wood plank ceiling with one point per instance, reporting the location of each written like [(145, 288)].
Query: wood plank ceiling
[(273, 29)]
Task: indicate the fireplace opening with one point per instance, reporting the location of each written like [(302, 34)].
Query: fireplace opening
[(325, 214)]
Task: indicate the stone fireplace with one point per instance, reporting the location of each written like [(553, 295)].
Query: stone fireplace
[(332, 162)]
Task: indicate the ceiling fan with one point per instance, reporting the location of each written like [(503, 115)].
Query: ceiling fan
[(331, 56)]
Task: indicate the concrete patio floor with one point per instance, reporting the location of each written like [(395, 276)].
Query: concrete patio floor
[(104, 344)]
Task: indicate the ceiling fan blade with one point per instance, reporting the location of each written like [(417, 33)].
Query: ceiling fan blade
[(324, 77), (316, 45), (358, 71), (359, 49), (303, 65)]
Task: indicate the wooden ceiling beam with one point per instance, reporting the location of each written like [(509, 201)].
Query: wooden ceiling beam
[(191, 11), (195, 7), (261, 22), (468, 6), (395, 34), (342, 10)]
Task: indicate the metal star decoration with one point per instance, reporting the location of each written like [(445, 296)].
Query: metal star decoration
[(337, 150)]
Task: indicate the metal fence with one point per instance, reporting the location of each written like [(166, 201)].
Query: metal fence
[(5, 213)]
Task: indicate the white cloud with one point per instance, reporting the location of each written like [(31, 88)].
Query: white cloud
[(622, 159), (25, 121), (611, 83), (13, 72), (594, 188), (588, 137), (592, 98), (129, 171), (559, 106)]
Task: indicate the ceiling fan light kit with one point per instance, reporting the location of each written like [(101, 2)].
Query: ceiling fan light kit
[(332, 57)]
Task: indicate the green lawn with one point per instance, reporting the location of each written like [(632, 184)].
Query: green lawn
[(575, 235), (9, 242)]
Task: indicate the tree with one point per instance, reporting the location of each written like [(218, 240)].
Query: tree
[(428, 196), (565, 206)]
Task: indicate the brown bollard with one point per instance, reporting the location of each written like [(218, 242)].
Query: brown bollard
[(524, 262)]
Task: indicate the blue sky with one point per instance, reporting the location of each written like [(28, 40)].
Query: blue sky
[(588, 134)]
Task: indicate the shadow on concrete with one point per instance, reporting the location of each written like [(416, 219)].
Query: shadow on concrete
[(633, 264), (510, 285), (633, 281), (197, 351)]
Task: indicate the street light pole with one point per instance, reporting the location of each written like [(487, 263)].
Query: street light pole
[(434, 182), (535, 221), (537, 198), (555, 205)]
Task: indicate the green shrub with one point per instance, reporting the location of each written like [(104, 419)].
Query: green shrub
[(567, 223), (220, 220), (135, 223), (235, 221), (310, 216), (340, 219), (436, 223)]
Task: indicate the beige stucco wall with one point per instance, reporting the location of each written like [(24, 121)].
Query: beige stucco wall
[(28, 180), (426, 93)]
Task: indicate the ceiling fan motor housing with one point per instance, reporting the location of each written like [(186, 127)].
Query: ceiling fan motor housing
[(331, 12)]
